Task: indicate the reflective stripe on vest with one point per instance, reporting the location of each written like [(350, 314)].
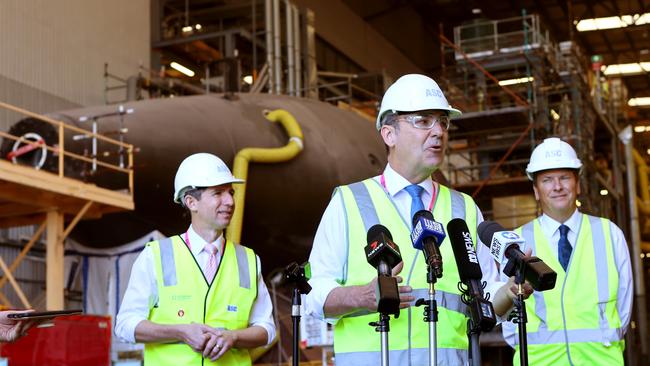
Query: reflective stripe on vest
[(362, 199), (579, 344), (419, 356), (186, 297), (169, 266)]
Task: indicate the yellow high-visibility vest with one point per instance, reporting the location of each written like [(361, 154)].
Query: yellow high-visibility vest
[(355, 342), (185, 296), (577, 322)]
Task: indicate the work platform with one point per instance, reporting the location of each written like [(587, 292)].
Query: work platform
[(55, 196)]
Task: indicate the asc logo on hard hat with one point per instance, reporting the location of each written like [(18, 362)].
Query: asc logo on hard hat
[(554, 154), (434, 93)]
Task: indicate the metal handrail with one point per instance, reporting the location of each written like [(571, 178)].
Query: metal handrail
[(60, 149)]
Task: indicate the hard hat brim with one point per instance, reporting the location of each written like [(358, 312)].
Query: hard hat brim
[(233, 180)]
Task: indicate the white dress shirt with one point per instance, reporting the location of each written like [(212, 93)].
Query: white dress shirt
[(551, 230), (327, 266), (142, 291)]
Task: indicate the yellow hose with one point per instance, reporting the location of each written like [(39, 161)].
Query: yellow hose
[(262, 155)]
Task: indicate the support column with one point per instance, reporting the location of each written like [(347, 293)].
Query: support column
[(54, 299)]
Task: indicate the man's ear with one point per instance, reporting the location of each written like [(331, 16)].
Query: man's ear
[(536, 192), (388, 134), (190, 202)]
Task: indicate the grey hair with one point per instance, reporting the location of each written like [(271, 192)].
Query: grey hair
[(190, 191)]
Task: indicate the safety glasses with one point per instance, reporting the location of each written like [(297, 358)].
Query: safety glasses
[(426, 121)]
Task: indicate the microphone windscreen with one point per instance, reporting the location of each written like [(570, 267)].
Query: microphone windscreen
[(422, 214), (463, 247), (486, 231), (375, 231)]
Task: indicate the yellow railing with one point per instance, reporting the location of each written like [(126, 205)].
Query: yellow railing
[(62, 128)]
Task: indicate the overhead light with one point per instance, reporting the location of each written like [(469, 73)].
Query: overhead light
[(198, 26), (603, 192), (178, 67), (476, 11), (555, 115), (640, 129), (578, 203), (642, 255), (648, 151), (639, 102), (248, 79), (632, 68), (622, 21), (516, 81), (187, 29)]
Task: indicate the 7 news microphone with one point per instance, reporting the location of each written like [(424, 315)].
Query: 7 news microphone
[(469, 271), (427, 235), (504, 248), (383, 254)]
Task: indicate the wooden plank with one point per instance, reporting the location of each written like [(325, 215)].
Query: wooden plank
[(23, 252), (21, 220), (75, 220), (9, 209), (49, 182), (14, 284), (54, 278)]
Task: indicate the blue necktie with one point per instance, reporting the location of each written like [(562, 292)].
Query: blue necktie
[(415, 191), (564, 247)]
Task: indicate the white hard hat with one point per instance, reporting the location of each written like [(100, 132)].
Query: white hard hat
[(201, 170), (414, 92), (553, 153)]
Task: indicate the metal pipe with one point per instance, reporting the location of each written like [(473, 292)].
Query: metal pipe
[(262, 155), (296, 50), (290, 68), (254, 33), (277, 62), (635, 234), (270, 57)]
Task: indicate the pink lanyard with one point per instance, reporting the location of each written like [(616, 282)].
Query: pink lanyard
[(382, 180), (187, 241)]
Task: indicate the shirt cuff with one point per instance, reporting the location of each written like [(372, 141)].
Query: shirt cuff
[(270, 331), (126, 331), (315, 299)]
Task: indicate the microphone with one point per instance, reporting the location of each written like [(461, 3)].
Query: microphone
[(469, 271), (504, 248), (427, 235), (383, 254)]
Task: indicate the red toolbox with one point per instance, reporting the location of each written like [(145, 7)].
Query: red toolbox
[(73, 340)]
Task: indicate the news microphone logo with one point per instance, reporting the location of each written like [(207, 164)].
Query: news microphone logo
[(469, 246), (429, 225)]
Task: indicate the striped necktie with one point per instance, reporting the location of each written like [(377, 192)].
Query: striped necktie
[(211, 267)]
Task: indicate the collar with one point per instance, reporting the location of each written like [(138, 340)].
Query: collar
[(552, 226), (396, 183), (197, 243)]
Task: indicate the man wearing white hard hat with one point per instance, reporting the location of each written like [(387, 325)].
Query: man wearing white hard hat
[(197, 298), (583, 319), (413, 121)]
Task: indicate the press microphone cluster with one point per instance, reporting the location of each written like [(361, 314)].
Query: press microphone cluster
[(504, 248), (383, 254), (427, 235), (469, 271)]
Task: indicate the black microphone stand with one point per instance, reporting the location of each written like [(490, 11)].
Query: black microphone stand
[(298, 275), (519, 315), (473, 326), (431, 315), (387, 304)]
